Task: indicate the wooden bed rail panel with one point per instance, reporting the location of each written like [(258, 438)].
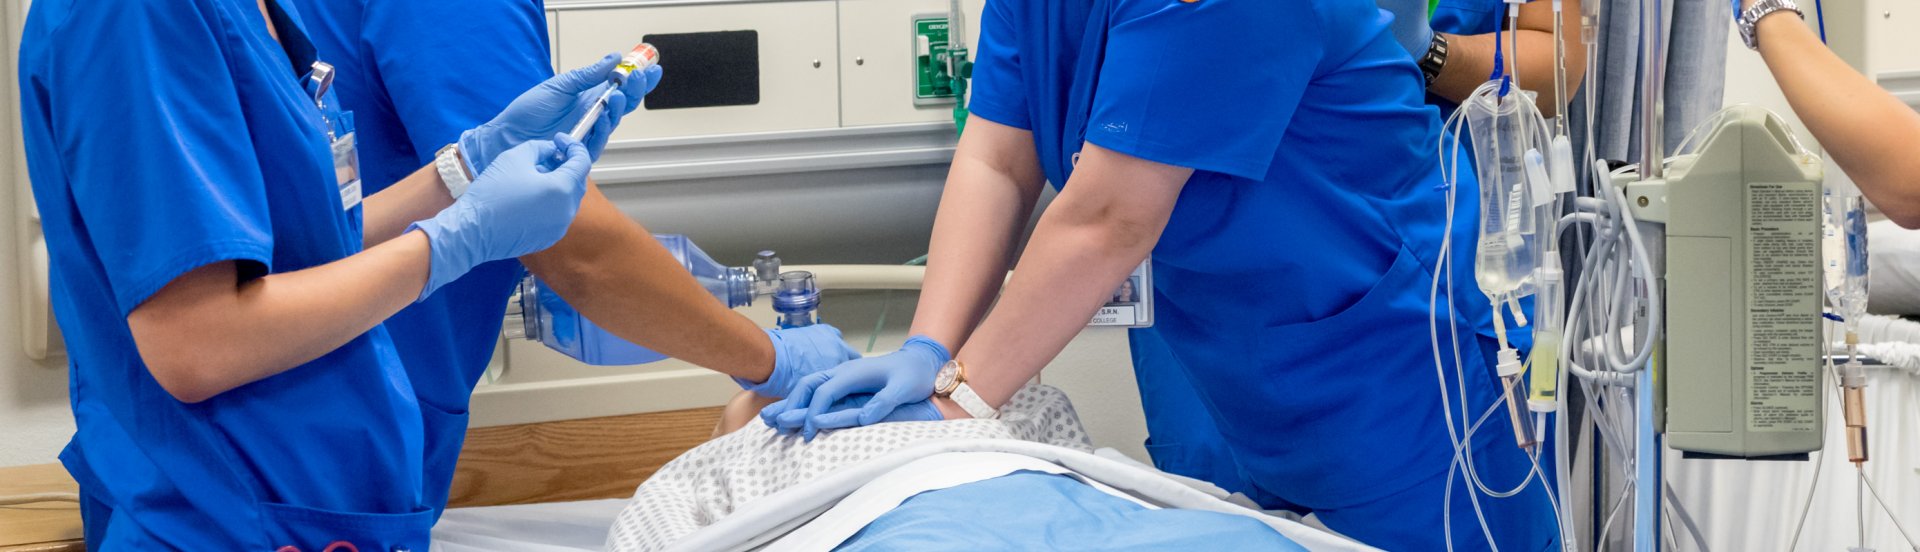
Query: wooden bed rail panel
[(573, 459)]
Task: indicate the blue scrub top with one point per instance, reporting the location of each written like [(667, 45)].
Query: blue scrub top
[(1413, 26), (1292, 277), (1468, 17), (1410, 24), (1464, 17), (414, 88), (167, 135)]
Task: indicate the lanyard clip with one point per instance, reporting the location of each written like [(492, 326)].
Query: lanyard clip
[(322, 79)]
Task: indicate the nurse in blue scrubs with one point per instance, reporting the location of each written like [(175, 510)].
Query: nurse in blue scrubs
[(414, 87), (1288, 196), (1454, 50), (221, 279)]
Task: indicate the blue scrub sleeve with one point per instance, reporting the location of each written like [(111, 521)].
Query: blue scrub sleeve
[(999, 93), (161, 168), (1208, 85), (462, 73)]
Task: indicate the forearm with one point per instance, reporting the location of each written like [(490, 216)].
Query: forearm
[(417, 197), (615, 273), (1069, 270), (1095, 233), (990, 193), (1868, 132), (1470, 57), (202, 334)]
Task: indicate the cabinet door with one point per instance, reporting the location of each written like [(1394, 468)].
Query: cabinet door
[(769, 66), (879, 60)]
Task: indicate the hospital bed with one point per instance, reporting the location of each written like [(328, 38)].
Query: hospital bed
[(1894, 255), (558, 450), (754, 489)]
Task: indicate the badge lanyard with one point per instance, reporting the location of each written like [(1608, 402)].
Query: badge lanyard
[(337, 123), (1131, 305), (340, 136)]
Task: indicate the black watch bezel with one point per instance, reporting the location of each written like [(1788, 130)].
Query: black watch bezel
[(1435, 59)]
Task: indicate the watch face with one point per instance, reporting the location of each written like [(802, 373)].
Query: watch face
[(945, 381)]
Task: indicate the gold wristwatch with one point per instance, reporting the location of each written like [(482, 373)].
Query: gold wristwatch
[(951, 383)]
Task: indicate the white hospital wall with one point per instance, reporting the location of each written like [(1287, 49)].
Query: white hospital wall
[(1876, 37), (34, 421)]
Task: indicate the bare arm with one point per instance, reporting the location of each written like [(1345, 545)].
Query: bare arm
[(1869, 133), (991, 190), (615, 273), (1470, 57), (206, 332), (1103, 224), (419, 196)]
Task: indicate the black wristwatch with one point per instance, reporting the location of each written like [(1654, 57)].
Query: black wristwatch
[(1435, 60)]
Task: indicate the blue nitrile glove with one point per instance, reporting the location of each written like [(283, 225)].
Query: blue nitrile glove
[(555, 106), (845, 411), (798, 352), (522, 204), (902, 377)]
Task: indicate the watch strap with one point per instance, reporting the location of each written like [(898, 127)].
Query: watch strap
[(1750, 18), (1435, 59), (453, 172), (973, 404)]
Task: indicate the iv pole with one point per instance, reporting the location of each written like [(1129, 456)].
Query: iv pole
[(1647, 445)]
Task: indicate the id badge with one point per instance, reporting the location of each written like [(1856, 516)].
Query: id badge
[(346, 161), (1130, 306)]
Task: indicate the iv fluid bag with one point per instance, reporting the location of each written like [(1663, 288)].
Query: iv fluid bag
[(1845, 254), (1503, 131), (553, 322)]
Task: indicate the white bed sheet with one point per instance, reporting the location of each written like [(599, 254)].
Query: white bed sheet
[(1893, 271), (553, 527)]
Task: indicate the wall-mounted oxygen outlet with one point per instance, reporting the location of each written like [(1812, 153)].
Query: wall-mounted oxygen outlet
[(933, 81)]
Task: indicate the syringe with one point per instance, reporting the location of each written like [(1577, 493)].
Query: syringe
[(639, 59)]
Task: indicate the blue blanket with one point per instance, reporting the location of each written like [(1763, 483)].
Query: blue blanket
[(1037, 511)]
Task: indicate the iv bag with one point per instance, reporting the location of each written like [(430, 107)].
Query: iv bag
[(1503, 131)]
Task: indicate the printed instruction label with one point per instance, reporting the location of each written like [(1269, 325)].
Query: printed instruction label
[(1783, 307)]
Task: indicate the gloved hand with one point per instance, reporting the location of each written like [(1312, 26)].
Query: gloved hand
[(555, 106), (797, 353), (850, 408), (520, 205), (899, 378)]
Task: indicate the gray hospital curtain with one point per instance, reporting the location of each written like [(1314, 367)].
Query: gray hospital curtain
[(1695, 75)]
